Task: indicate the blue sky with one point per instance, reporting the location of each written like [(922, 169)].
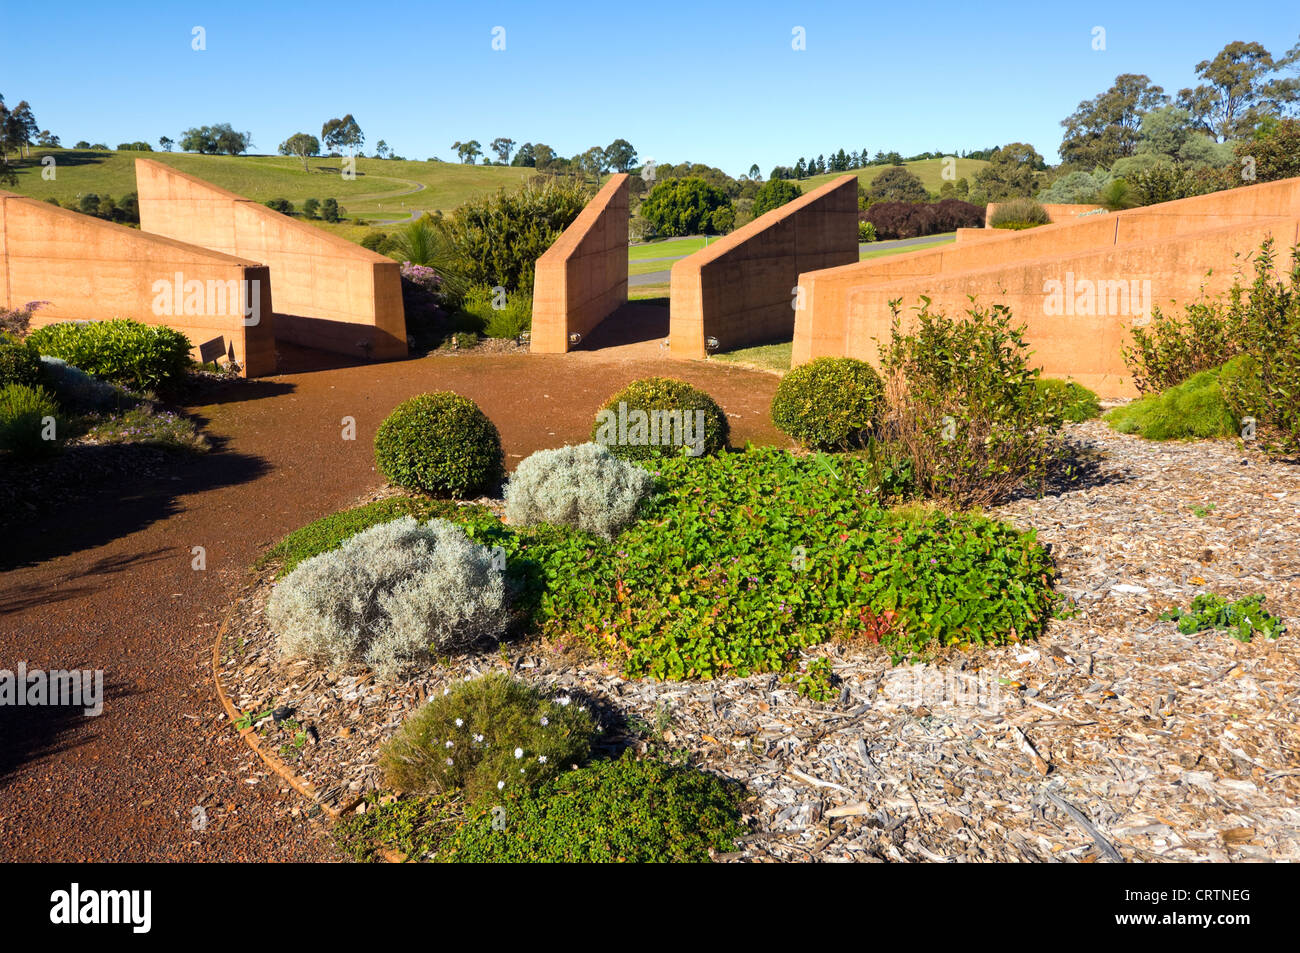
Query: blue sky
[(682, 81)]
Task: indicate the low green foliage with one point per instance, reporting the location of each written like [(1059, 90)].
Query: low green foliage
[(1078, 402), (623, 811), (829, 403), (1192, 410), (440, 444), (25, 413), (414, 827), (329, 531), (20, 361), (488, 737), (140, 356), (147, 425), (659, 395), (746, 559), (1243, 618)]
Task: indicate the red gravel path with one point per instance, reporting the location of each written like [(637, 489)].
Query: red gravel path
[(112, 588)]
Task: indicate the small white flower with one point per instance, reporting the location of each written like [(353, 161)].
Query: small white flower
[(564, 700), (500, 785), (519, 752), (478, 738), (541, 759), (450, 762), (544, 721), (460, 723), (450, 743)]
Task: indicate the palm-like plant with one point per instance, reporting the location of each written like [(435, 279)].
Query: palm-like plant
[(423, 242)]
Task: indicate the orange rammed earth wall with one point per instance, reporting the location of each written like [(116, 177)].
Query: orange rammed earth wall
[(1181, 248), (328, 293), (582, 278), (92, 270), (1056, 212), (741, 288)]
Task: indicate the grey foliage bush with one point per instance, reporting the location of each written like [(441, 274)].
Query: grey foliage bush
[(390, 594), (584, 486), (75, 387)]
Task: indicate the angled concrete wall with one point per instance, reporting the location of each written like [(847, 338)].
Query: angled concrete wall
[(740, 289), (92, 270), (327, 292), (1167, 249), (582, 278)]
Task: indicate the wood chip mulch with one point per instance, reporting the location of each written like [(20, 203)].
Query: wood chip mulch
[(1113, 737)]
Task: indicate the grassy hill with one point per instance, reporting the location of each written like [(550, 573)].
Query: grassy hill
[(929, 171), (382, 189)]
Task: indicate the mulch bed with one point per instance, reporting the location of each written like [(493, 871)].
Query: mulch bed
[(1114, 736)]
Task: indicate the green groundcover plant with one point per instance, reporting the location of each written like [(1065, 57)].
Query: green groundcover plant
[(745, 560), (1078, 402), (1192, 410), (1243, 618)]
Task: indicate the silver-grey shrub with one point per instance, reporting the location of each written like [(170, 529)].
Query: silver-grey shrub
[(390, 594), (584, 486), (75, 387)]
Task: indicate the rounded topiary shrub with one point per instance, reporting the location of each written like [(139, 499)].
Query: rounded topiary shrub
[(586, 487), (29, 424), (20, 362), (390, 594), (660, 417), (623, 811), (828, 403), (441, 444), (488, 737)]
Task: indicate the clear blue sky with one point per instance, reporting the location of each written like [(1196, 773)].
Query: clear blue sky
[(692, 81)]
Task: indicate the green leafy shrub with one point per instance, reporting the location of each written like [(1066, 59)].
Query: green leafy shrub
[(441, 444), (388, 595), (684, 206), (480, 311), (773, 194), (20, 361), (964, 406), (828, 403), (498, 238), (1244, 617), (121, 351), (866, 231), (1019, 213), (283, 206), (1079, 402), (1169, 350), (658, 417), (1266, 388), (586, 487), (621, 811), (488, 737), (1192, 410), (25, 413)]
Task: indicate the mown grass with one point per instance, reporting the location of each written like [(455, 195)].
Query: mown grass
[(929, 171), (382, 189), (774, 357)]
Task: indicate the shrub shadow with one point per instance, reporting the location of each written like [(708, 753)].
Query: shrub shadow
[(33, 733)]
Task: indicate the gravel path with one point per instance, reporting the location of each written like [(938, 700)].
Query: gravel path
[(110, 584)]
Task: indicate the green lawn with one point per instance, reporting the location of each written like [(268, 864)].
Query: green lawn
[(944, 239), (382, 189), (668, 248), (772, 357), (929, 171)]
